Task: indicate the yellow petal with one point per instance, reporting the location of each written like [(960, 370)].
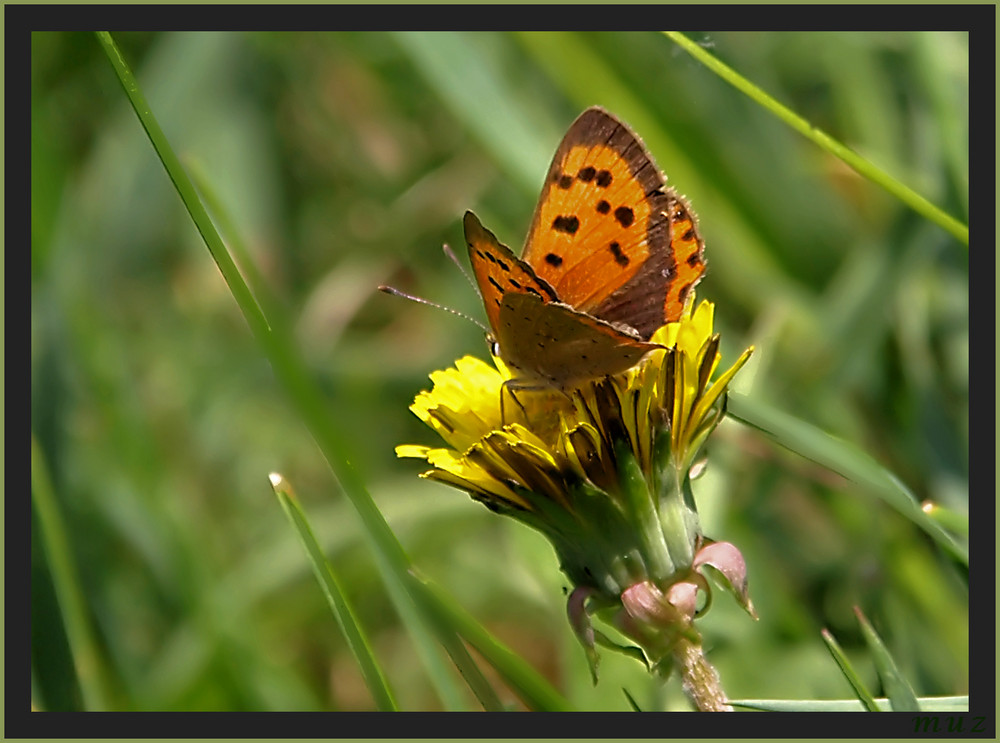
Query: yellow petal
[(412, 450)]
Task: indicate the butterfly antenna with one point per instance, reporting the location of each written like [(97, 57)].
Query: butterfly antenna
[(454, 259), (421, 300)]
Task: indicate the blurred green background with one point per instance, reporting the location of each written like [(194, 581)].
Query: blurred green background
[(346, 160)]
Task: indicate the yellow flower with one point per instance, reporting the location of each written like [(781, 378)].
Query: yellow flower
[(552, 436), (603, 471)]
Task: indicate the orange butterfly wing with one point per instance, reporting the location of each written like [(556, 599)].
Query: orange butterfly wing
[(499, 271), (551, 344), (542, 340), (659, 290), (608, 235), (612, 254)]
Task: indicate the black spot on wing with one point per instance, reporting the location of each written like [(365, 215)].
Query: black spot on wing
[(625, 216), (569, 225), (616, 250)]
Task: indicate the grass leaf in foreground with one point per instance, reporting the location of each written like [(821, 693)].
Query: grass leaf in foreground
[(390, 558), (536, 692), (357, 641), (927, 704), (87, 660), (901, 695), (303, 392), (850, 674)]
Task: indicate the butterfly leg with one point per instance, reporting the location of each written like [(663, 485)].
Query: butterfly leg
[(540, 408), (509, 386)]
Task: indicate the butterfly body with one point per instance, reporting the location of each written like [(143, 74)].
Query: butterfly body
[(611, 255)]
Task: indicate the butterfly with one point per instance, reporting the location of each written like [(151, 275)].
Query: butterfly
[(612, 254)]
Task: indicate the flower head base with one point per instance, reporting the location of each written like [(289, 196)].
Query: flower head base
[(603, 471)]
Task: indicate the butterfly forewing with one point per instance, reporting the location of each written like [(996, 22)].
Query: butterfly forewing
[(612, 254), (602, 215), (499, 271)]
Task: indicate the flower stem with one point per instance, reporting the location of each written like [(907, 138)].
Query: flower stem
[(701, 680)]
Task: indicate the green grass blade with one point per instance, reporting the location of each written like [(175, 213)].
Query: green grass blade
[(390, 557), (251, 311), (900, 693), (850, 674), (631, 701), (905, 194), (536, 692), (449, 635), (234, 238), (87, 659), (948, 518), (459, 655), (473, 677), (357, 641), (843, 458), (927, 704)]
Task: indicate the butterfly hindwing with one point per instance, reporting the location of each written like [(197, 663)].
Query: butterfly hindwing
[(688, 251), (557, 345), (658, 291)]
